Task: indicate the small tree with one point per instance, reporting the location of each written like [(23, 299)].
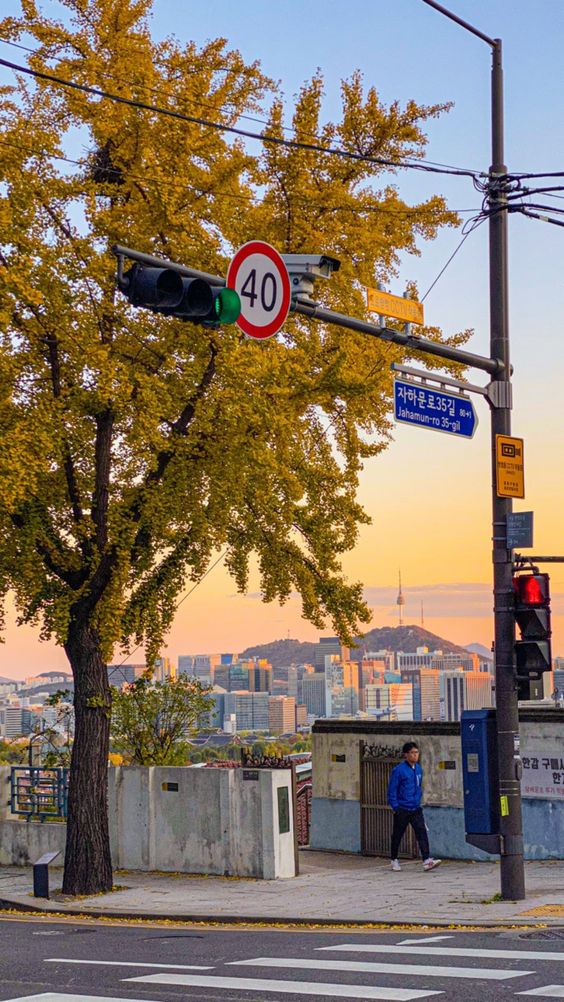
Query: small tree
[(151, 720)]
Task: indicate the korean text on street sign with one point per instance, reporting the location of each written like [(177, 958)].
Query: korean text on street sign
[(260, 277), (415, 403), (519, 529), (394, 306), (510, 470)]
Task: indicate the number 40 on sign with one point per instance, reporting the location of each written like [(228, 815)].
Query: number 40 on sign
[(260, 277)]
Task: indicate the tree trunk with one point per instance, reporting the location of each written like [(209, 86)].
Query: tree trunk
[(88, 862)]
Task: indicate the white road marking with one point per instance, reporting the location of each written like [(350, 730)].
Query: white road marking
[(61, 997), (128, 963), (445, 951), (427, 939), (547, 991), (288, 987), (417, 970)]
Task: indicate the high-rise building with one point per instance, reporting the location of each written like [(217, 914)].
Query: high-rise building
[(388, 657), (311, 692), (120, 675), (462, 690), (425, 682), (422, 658), (163, 669), (390, 702), (15, 721), (451, 685), (200, 666), (301, 715), (468, 661), (329, 645), (478, 690), (341, 686), (260, 675), (281, 714), (250, 710)]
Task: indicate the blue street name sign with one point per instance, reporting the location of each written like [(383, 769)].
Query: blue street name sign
[(415, 403)]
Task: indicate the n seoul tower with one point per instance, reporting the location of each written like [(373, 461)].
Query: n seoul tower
[(400, 602)]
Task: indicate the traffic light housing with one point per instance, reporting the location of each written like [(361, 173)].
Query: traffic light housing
[(167, 291), (532, 613)]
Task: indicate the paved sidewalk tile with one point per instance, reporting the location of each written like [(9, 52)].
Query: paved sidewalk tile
[(331, 887)]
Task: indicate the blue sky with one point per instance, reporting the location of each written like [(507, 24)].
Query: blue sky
[(429, 495)]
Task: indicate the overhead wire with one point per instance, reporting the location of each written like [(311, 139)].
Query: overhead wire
[(254, 199), (244, 133), (260, 121)]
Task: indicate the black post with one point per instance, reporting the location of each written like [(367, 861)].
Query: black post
[(511, 847), (512, 869)]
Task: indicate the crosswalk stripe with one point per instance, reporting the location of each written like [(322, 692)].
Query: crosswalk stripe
[(548, 991), (427, 939), (288, 987), (62, 997), (424, 970), (444, 951), (129, 963)]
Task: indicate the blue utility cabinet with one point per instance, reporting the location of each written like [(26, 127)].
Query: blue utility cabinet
[(479, 775)]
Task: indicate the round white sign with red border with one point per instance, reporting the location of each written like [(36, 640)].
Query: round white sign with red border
[(260, 277)]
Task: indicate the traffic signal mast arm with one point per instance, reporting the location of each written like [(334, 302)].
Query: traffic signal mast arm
[(316, 312)]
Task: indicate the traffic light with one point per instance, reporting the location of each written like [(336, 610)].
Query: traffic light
[(532, 613), (166, 291)]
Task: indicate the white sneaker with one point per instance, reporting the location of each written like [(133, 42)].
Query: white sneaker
[(395, 865), (431, 864)]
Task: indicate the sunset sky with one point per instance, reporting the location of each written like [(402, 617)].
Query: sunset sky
[(429, 495)]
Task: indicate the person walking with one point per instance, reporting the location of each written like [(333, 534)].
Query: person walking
[(405, 790)]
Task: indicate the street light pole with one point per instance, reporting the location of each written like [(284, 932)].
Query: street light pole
[(507, 716)]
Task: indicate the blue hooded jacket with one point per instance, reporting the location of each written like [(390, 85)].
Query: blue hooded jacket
[(405, 787)]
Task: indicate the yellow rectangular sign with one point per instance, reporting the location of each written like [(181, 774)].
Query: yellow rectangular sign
[(395, 306), (510, 469)]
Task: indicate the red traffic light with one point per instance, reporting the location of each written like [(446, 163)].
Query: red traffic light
[(532, 589)]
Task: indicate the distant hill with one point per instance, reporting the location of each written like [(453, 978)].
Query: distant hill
[(391, 638), (480, 650)]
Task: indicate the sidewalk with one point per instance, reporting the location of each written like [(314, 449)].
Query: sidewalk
[(331, 888)]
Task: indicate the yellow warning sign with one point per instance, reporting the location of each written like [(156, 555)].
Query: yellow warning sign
[(510, 469), (504, 806), (394, 306)]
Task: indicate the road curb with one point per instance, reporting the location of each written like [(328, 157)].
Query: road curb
[(277, 920)]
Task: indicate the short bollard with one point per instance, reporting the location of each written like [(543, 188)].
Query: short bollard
[(41, 874)]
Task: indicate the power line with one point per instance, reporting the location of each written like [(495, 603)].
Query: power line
[(220, 127), (253, 199), (478, 222), (250, 118), (151, 90), (543, 218)]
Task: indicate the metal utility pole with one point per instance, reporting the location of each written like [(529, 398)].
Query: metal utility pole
[(509, 763)]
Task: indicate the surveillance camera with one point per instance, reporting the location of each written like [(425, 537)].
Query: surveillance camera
[(303, 270)]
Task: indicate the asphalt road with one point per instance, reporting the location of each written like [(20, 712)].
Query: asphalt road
[(75, 962)]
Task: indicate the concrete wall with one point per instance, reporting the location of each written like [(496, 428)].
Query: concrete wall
[(216, 821), (336, 782)]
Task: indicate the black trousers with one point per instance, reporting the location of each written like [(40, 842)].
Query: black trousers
[(414, 818)]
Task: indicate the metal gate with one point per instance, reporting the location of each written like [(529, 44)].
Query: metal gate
[(376, 818)]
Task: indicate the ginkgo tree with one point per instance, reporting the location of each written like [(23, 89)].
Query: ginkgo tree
[(136, 447)]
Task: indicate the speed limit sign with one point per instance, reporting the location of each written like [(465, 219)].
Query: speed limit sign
[(258, 274)]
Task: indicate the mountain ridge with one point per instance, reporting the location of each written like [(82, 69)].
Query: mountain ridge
[(393, 638)]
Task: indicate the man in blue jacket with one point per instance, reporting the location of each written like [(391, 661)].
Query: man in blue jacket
[(405, 790)]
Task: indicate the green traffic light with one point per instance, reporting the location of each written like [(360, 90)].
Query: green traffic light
[(227, 306)]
